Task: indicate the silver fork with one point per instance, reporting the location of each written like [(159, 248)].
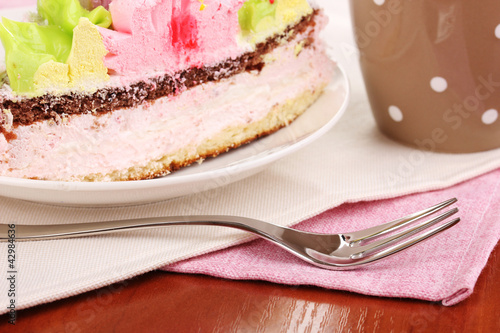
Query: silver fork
[(331, 251)]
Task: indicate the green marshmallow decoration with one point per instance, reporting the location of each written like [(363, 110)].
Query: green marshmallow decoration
[(253, 12), (67, 13), (28, 45)]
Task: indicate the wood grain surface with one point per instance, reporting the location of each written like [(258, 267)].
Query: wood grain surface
[(167, 302)]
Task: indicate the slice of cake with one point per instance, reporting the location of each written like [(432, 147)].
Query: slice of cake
[(138, 89)]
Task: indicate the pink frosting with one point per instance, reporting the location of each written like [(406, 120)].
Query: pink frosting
[(104, 3), (170, 35)]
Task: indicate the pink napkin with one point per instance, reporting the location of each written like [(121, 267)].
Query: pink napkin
[(444, 268)]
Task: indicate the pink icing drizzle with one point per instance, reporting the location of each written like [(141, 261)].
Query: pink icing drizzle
[(184, 28)]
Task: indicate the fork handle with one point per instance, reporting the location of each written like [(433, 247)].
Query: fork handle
[(59, 231)]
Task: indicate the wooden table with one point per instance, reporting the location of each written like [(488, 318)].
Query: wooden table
[(167, 302)]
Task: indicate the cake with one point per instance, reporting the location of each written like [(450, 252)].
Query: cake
[(135, 90)]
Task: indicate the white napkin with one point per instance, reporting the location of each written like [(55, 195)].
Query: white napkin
[(352, 162)]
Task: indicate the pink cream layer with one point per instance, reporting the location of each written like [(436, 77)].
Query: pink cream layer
[(86, 144)]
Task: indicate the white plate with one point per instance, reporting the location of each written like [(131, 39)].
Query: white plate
[(223, 170)]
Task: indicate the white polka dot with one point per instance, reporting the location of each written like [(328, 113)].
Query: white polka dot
[(497, 31), (379, 2), (439, 84), (490, 116), (395, 113)]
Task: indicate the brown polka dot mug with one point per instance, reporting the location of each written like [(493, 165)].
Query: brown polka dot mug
[(432, 70)]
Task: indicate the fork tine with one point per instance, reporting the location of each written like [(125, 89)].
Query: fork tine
[(379, 230), (383, 243), (410, 242)]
